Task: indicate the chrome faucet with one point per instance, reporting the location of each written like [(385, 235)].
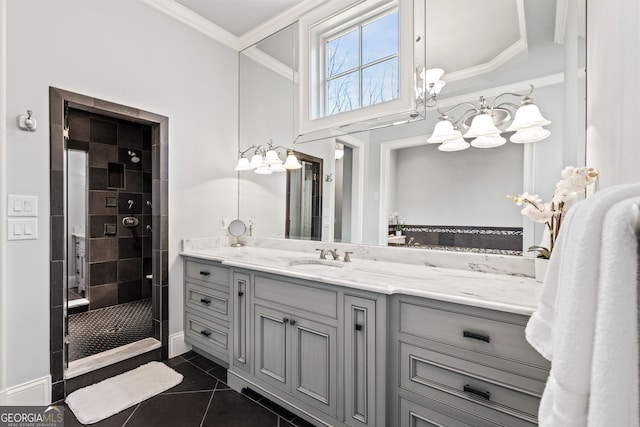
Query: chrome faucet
[(323, 253), (347, 256), (334, 253)]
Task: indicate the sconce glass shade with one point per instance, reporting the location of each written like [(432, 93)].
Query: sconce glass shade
[(263, 170), (482, 125), (530, 135), (442, 132), (292, 161), (339, 151), (436, 88), (432, 76), (455, 145), (271, 158), (528, 116), (490, 141), (277, 167), (243, 164), (256, 161)]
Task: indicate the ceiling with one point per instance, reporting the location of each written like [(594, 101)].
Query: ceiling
[(239, 16)]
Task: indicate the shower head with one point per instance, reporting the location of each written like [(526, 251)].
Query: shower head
[(134, 157)]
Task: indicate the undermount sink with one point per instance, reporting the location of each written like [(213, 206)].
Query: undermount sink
[(314, 264)]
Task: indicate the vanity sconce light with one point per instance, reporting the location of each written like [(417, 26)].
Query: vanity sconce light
[(27, 122), (483, 121), (266, 160), (429, 85)]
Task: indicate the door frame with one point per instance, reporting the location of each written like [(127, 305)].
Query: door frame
[(316, 194), (58, 98)]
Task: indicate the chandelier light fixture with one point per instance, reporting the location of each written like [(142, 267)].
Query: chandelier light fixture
[(482, 124), (266, 160)]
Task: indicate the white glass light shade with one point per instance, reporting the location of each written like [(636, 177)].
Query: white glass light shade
[(527, 116), (530, 135), (277, 167), (256, 161), (271, 158), (482, 125), (490, 141), (263, 170), (455, 145), (243, 164), (442, 132), (432, 75), (339, 153), (437, 87), (292, 162)]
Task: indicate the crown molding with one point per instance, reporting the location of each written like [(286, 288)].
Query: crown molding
[(278, 22), (188, 17), (520, 45)]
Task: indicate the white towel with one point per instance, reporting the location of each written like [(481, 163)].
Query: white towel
[(614, 371), (562, 329)]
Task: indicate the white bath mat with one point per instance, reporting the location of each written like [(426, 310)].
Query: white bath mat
[(106, 398)]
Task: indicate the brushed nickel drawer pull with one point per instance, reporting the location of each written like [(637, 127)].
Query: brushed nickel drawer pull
[(205, 273), (205, 301), (476, 336), (484, 394), (206, 333)]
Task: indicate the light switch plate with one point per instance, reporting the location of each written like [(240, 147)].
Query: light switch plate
[(22, 206), (22, 229)]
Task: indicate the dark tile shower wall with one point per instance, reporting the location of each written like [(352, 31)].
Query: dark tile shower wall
[(119, 257)]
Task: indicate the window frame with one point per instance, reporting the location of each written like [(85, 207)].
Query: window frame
[(332, 18)]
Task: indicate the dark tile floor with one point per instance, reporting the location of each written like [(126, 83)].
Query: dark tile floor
[(202, 399)]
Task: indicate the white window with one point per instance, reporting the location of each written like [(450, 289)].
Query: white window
[(362, 64), (358, 62)]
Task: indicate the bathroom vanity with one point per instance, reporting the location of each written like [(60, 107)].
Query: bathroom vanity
[(367, 343)]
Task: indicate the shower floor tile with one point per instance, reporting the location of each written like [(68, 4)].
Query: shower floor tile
[(106, 328)]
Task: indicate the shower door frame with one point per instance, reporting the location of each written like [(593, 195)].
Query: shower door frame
[(58, 98)]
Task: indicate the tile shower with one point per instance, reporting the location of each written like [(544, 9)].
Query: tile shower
[(119, 172)]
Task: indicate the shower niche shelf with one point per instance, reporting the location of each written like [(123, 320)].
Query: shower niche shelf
[(116, 175)]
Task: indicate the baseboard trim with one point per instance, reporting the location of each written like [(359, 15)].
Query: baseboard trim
[(35, 392), (177, 345)]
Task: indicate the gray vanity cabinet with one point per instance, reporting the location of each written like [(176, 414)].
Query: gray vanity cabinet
[(462, 365), (295, 341), (206, 311), (240, 322)]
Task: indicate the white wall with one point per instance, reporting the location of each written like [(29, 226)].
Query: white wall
[(613, 87), (128, 53)]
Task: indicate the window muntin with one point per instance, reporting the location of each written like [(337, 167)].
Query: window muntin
[(362, 64)]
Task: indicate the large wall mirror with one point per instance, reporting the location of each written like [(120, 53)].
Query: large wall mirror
[(385, 181)]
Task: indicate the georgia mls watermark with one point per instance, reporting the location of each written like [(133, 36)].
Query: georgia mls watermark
[(31, 416)]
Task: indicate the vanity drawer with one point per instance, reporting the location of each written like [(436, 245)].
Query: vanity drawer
[(207, 272), (207, 335), (494, 333), (423, 370), (304, 298), (208, 301)]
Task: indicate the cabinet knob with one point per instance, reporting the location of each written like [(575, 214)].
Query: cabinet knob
[(292, 322), (206, 333), (205, 273), (285, 320), (359, 327), (240, 293), (476, 336), (205, 301)]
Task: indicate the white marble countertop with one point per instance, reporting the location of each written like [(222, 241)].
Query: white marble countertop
[(501, 292)]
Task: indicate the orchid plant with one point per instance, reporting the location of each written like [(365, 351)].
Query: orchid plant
[(574, 181)]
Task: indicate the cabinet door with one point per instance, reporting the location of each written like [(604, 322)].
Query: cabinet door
[(272, 346), (240, 322), (360, 361), (314, 355)]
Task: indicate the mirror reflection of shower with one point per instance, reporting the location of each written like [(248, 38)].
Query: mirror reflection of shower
[(76, 192)]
